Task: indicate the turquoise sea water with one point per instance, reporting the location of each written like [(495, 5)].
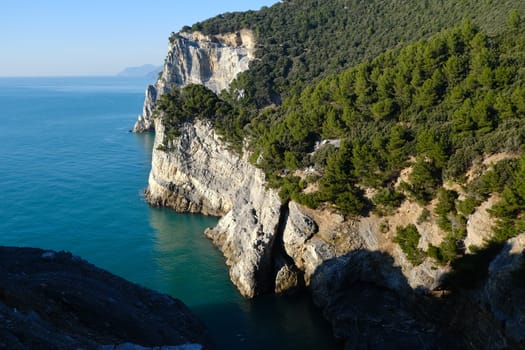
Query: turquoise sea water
[(71, 178)]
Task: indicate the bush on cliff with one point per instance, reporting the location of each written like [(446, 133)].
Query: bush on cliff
[(408, 239)]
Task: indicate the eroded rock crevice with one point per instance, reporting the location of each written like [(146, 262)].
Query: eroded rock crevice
[(288, 278)]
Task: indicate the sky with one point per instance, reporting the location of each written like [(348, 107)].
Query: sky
[(96, 37)]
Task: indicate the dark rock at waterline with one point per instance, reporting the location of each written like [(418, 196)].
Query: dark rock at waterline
[(54, 300), (371, 306)]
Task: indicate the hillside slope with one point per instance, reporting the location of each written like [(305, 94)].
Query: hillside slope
[(299, 41), (370, 182)]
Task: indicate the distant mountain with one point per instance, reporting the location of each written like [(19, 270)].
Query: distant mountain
[(146, 70)]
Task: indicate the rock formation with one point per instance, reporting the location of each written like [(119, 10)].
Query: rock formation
[(193, 58), (371, 306), (504, 289), (202, 175), (266, 243), (53, 300)]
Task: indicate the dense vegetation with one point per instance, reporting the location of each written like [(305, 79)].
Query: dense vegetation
[(198, 102), (439, 103), (300, 41), (436, 106)]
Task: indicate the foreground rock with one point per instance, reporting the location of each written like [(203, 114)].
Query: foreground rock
[(53, 300)]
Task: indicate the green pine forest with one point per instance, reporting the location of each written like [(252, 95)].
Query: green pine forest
[(431, 85)]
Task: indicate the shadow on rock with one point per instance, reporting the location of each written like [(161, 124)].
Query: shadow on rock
[(371, 306), (51, 300)]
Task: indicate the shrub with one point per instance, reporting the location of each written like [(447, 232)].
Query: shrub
[(424, 216), (408, 239), (387, 199), (468, 205)]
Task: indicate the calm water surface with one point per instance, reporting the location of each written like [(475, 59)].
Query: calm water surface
[(71, 178)]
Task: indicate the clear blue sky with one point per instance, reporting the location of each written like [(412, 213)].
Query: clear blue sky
[(96, 37)]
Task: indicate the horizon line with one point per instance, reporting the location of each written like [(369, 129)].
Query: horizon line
[(72, 76)]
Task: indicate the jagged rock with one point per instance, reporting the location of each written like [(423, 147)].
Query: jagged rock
[(504, 289), (193, 58), (287, 278), (202, 175), (298, 230), (479, 224), (370, 304), (315, 253), (198, 175), (53, 300)]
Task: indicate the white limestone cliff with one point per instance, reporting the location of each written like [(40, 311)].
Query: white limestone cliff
[(201, 175), (194, 58)]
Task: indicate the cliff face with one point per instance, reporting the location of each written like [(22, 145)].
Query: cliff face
[(202, 175), (193, 58), (268, 246)]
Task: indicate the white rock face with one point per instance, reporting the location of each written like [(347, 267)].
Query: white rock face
[(202, 175), (479, 224), (197, 175), (193, 58), (306, 250)]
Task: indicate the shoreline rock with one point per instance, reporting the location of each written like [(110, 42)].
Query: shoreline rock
[(58, 301)]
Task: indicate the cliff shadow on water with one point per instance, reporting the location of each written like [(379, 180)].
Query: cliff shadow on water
[(268, 322), (191, 268), (371, 306)]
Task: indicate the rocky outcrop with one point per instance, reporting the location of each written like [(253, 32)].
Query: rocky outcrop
[(505, 289), (53, 300), (479, 224), (362, 280), (312, 237), (267, 246), (371, 305), (193, 58)]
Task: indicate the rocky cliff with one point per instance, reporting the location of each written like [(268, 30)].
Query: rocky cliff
[(274, 246), (193, 58), (202, 175), (53, 300), (268, 246)]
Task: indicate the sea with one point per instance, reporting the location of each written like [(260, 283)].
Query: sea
[(72, 178)]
